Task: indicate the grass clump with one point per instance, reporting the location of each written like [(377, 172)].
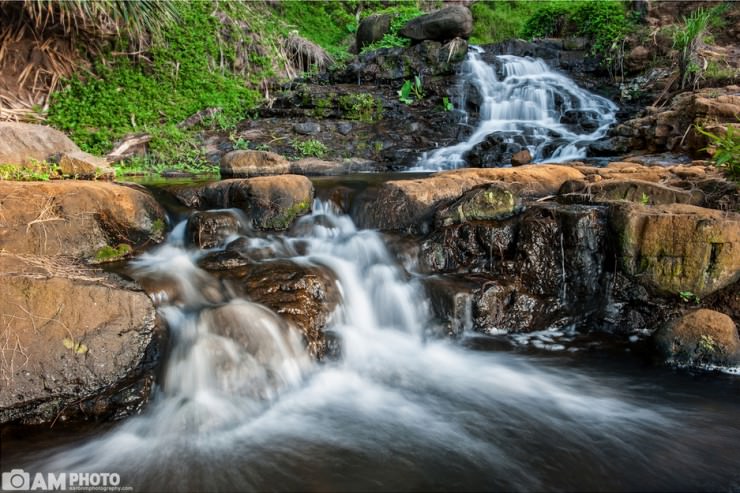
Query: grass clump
[(725, 149), (494, 22), (361, 106), (112, 254), (34, 171)]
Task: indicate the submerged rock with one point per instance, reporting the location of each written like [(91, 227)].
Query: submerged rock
[(76, 218), (699, 338), (209, 229), (305, 296), (78, 343)]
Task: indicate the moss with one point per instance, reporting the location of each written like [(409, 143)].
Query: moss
[(112, 254), (285, 219), (361, 106)]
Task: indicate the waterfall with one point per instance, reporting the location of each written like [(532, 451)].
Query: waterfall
[(241, 407), (532, 107)]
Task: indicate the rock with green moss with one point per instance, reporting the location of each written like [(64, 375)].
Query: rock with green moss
[(85, 166), (699, 338), (484, 203), (678, 247)]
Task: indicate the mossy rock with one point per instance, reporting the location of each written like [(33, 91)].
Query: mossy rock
[(484, 203)]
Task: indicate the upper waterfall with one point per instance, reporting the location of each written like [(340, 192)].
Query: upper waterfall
[(526, 106)]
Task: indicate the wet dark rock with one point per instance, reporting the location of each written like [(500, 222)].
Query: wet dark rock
[(73, 360), (209, 229), (307, 128), (698, 338), (451, 22), (344, 128), (521, 157), (372, 29), (305, 296)]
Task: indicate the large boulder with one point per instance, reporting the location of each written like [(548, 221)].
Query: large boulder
[(678, 247), (245, 164), (451, 22), (372, 29), (76, 343), (21, 143), (408, 205), (305, 296), (76, 218), (271, 202), (699, 337)]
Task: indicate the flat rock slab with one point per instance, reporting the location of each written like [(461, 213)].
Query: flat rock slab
[(73, 340), (406, 205), (76, 218)]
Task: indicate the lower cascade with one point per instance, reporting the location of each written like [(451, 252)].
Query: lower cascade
[(526, 106), (243, 407)]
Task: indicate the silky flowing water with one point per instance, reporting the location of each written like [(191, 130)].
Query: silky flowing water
[(241, 406), (528, 105)]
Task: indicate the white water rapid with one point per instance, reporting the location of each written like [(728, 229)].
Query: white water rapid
[(532, 107), (241, 407)]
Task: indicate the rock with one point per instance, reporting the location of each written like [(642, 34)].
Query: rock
[(307, 128), (521, 157), (408, 205), (344, 128), (245, 164), (20, 143), (483, 203), (209, 229), (304, 295), (313, 166), (637, 58), (698, 338), (631, 190), (85, 166), (372, 29), (76, 218), (270, 202), (678, 247), (79, 343), (444, 24)]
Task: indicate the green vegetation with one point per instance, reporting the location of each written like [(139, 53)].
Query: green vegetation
[(410, 90), (309, 148), (686, 39), (361, 106), (447, 104), (183, 79), (496, 21), (328, 24), (688, 297), (644, 199), (401, 15), (707, 346), (35, 171), (725, 149), (112, 254)]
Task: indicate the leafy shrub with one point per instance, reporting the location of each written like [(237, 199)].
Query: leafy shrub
[(685, 40), (310, 148), (361, 106), (725, 149)]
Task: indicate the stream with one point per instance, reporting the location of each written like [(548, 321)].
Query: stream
[(241, 406)]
